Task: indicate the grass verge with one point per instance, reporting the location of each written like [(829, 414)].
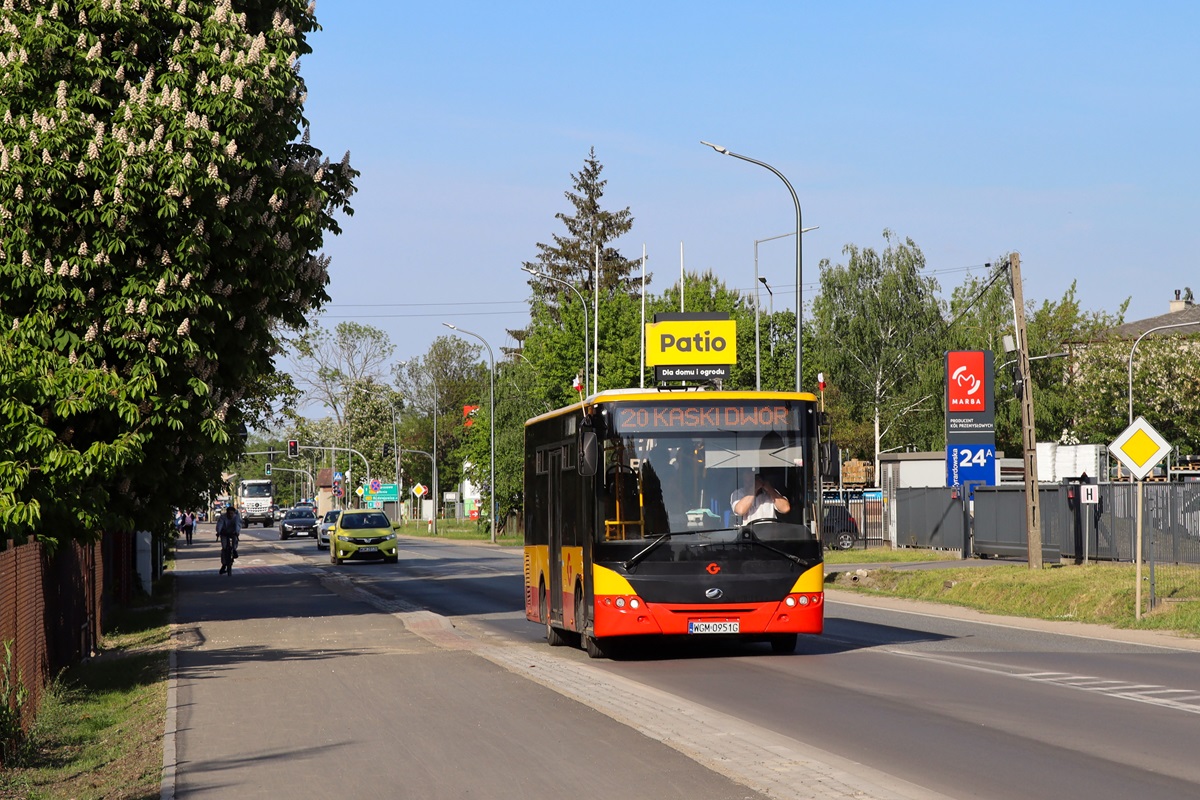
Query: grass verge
[(1097, 593), (460, 530), (886, 555), (99, 731)]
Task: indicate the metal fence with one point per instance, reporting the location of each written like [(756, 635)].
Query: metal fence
[(859, 510), (1071, 530), (49, 611)]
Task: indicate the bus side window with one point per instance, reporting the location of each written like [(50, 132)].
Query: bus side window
[(622, 512)]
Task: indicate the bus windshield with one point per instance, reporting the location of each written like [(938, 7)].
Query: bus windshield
[(665, 477)]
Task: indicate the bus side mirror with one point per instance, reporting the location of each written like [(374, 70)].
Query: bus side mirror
[(588, 453)]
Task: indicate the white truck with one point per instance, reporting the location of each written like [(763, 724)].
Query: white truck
[(256, 502)]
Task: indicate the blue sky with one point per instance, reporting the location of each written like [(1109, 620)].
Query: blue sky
[(1064, 131)]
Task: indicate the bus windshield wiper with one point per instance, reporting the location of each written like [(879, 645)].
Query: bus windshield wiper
[(637, 557), (748, 535)]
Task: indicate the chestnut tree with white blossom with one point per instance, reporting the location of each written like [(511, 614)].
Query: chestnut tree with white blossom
[(162, 214)]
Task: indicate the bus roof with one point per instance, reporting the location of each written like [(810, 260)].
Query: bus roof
[(667, 396)]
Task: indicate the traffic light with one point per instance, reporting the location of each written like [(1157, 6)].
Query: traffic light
[(387, 450), (267, 469), (293, 448)]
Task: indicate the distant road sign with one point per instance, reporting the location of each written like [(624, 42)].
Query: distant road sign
[(1140, 448), (385, 492), (419, 490), (375, 484)]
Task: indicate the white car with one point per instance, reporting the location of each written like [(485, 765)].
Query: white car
[(325, 526)]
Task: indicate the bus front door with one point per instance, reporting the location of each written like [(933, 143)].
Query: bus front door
[(555, 519)]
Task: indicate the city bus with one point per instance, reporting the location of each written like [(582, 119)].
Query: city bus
[(629, 523)]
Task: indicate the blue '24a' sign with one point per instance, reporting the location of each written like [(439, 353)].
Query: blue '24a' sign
[(971, 462)]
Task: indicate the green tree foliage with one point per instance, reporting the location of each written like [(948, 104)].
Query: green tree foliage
[(1166, 388), (516, 401), (1054, 329), (161, 211), (452, 374), (981, 311), (879, 337)]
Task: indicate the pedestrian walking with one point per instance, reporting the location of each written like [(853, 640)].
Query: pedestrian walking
[(188, 526)]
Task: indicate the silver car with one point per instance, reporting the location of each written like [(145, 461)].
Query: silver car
[(326, 525)]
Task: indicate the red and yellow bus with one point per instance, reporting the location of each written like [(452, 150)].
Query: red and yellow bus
[(629, 521)]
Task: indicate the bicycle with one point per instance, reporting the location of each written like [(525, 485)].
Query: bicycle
[(228, 554)]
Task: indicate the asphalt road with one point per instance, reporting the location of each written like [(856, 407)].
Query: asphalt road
[(895, 700)]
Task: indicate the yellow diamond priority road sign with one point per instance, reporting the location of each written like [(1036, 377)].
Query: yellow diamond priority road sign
[(1140, 448)]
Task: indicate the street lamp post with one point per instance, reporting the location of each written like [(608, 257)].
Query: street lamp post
[(582, 302), (799, 251), (757, 359), (771, 313), (1132, 349), (491, 422)]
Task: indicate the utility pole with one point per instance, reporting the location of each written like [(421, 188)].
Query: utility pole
[(1033, 514)]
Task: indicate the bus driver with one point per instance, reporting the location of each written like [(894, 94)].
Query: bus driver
[(758, 499)]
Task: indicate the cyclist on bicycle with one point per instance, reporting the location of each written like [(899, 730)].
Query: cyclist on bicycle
[(229, 527)]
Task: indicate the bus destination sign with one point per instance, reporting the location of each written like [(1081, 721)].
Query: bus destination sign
[(716, 417)]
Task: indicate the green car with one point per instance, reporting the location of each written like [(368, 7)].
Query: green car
[(362, 534)]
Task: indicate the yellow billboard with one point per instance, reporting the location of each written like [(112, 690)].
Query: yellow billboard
[(691, 342)]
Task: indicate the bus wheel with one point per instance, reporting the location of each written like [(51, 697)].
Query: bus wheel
[(593, 647), (783, 644), (580, 617), (554, 636)]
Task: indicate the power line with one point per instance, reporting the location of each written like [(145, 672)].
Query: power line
[(415, 315), (453, 304)]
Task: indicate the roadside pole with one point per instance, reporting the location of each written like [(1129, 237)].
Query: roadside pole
[(1033, 513), (1137, 557)]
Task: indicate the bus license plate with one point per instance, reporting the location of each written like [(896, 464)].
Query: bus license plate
[(725, 626)]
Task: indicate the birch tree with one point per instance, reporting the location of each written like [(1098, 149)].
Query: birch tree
[(879, 329)]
